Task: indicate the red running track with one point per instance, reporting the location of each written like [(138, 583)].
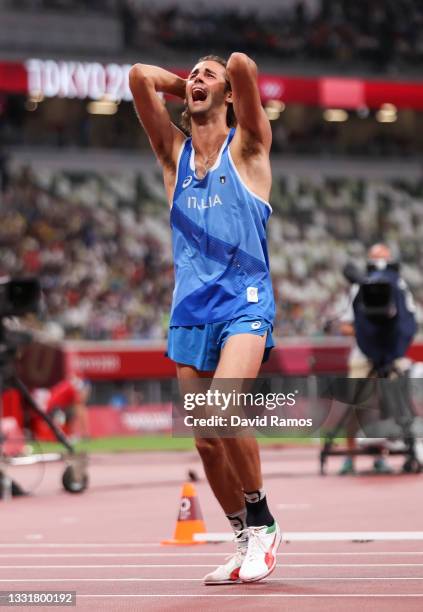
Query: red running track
[(104, 544)]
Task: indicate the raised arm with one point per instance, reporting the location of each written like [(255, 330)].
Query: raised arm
[(145, 83), (254, 126)]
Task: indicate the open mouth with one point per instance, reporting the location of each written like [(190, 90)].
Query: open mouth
[(198, 94)]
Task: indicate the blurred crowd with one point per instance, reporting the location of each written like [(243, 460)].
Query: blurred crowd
[(378, 32), (321, 224), (105, 270), (67, 6), (101, 246), (384, 34)]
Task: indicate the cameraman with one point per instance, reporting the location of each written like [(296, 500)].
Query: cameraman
[(379, 258)]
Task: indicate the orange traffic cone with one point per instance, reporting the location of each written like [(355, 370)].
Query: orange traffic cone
[(190, 520)]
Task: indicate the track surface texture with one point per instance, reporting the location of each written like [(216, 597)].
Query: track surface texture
[(105, 543)]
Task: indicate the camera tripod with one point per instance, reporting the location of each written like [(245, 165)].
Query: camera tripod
[(402, 399), (75, 477)]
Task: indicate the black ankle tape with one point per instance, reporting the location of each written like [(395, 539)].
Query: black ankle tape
[(258, 513)]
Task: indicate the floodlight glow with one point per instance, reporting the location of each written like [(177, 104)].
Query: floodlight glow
[(102, 107), (335, 115)]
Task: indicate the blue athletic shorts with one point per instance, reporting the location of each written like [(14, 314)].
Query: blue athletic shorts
[(200, 345)]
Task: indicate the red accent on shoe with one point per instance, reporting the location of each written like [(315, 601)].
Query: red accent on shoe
[(235, 574), (269, 557)]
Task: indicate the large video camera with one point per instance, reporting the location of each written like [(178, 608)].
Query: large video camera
[(384, 318), (19, 297)]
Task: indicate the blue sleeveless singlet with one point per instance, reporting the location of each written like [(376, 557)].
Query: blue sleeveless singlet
[(219, 244)]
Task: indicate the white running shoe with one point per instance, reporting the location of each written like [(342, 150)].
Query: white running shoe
[(260, 560), (229, 572)]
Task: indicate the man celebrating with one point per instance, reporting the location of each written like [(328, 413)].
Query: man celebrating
[(218, 184)]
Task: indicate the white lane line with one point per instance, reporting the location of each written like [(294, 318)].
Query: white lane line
[(339, 536), (291, 565), (285, 595), (299, 536), (143, 555), (148, 556), (182, 565), (113, 566), (167, 565), (323, 536), (80, 545), (79, 555), (271, 580), (172, 555), (347, 536), (146, 566), (281, 580), (348, 554)]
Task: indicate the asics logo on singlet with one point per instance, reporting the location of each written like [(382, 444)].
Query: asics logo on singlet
[(203, 203), (187, 182), (256, 325)]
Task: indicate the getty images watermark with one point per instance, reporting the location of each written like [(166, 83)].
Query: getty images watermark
[(228, 407), (304, 407), (226, 402)]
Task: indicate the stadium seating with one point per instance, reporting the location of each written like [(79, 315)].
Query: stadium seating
[(383, 36), (100, 243)]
